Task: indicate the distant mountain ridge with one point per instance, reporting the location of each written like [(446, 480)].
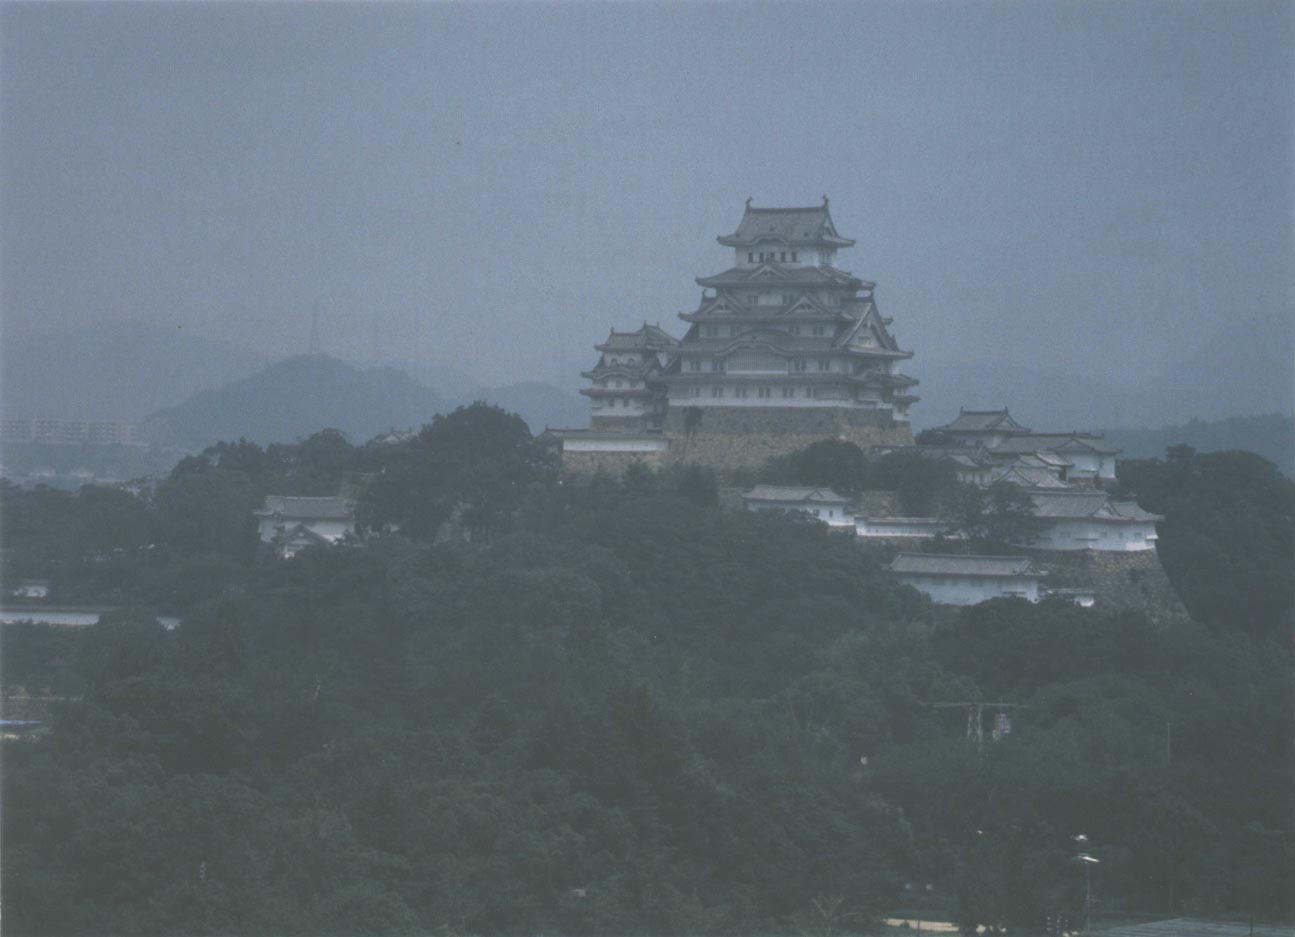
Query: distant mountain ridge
[(294, 398), (298, 396)]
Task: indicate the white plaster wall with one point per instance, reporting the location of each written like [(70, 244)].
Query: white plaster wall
[(832, 516), (882, 528), (270, 527), (331, 530), (970, 590), (1065, 534)]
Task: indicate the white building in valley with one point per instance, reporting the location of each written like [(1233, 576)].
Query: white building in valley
[(966, 580), (319, 520), (824, 504)]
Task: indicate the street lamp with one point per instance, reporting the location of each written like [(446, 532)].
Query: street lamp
[(1088, 862)]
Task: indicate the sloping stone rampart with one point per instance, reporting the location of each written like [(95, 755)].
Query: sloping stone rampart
[(1122, 580), (613, 463), (727, 438), (880, 504)]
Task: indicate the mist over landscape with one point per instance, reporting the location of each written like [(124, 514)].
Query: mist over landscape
[(583, 469), (193, 193)]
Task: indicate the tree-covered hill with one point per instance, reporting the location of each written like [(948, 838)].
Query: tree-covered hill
[(296, 397), (603, 708)]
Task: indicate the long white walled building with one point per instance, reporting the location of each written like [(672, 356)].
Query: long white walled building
[(966, 580)]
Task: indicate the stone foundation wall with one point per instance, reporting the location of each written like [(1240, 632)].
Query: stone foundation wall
[(880, 504), (613, 463), (1122, 580), (744, 437)]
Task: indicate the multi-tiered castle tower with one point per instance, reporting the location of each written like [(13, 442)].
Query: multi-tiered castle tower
[(784, 349), (785, 329)]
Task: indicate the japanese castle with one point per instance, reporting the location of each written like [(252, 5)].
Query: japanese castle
[(783, 349)]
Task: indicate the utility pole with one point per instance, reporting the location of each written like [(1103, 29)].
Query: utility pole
[(975, 715), (1088, 862)]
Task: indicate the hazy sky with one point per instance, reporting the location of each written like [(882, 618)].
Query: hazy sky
[(1086, 185)]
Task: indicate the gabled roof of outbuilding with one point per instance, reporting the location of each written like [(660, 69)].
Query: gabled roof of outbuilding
[(985, 421), (1057, 442), (645, 338), (1094, 505), (1028, 476), (806, 494)]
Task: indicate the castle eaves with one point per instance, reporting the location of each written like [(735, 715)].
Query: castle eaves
[(790, 226)]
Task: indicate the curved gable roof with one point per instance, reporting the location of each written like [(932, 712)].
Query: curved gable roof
[(791, 226)]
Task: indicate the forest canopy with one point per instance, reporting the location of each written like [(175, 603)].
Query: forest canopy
[(612, 707)]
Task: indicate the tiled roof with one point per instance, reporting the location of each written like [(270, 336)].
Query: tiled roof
[(780, 341), (963, 455), (1028, 476), (794, 493), (1075, 503), (788, 277), (1042, 459), (947, 564), (788, 225), (1090, 504), (646, 338), (637, 369), (330, 508), (985, 421), (1056, 442), (1131, 511)]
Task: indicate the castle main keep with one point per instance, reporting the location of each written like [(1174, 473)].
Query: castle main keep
[(784, 349)]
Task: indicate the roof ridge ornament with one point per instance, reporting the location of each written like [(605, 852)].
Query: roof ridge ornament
[(748, 201), (824, 201)]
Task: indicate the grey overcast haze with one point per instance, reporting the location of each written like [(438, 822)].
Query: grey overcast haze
[(1092, 188)]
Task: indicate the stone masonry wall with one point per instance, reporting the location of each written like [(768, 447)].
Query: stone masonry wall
[(613, 463), (1122, 580), (744, 437)]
